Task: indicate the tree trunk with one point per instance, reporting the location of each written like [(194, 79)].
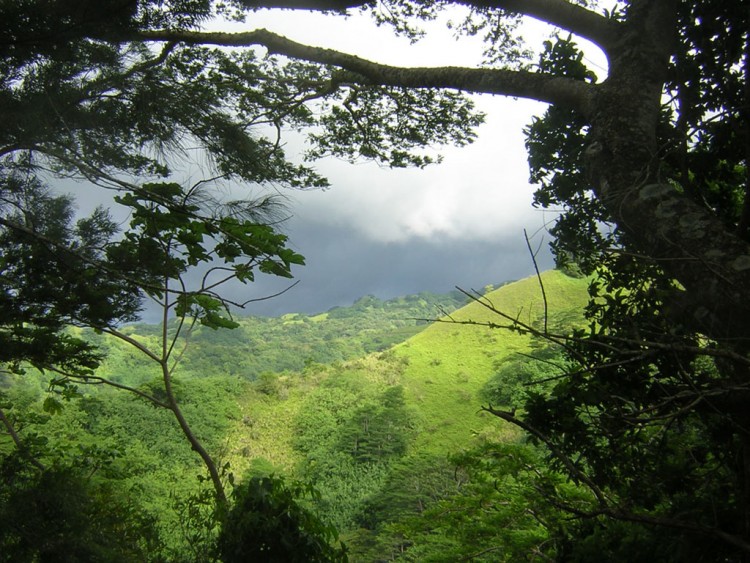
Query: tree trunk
[(686, 240)]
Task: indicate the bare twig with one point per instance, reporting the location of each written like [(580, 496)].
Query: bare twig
[(97, 380), (538, 277)]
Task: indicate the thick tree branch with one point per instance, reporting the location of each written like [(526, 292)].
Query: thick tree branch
[(537, 86), (711, 262), (310, 5), (559, 13)]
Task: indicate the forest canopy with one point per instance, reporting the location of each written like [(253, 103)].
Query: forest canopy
[(649, 165)]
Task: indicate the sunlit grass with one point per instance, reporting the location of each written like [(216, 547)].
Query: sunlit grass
[(442, 370)]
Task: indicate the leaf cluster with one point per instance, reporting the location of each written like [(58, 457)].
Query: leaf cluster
[(516, 379), (556, 144), (391, 125), (55, 273), (268, 523), (644, 415), (706, 134)]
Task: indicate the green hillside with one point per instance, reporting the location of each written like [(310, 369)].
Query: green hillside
[(289, 342), (366, 403), (449, 363), (374, 434), (442, 370)]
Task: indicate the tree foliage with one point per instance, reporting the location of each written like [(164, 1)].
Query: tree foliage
[(59, 514), (121, 116), (51, 279), (268, 523), (650, 167)]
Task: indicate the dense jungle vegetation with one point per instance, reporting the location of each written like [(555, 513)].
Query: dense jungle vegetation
[(629, 436), (377, 431)]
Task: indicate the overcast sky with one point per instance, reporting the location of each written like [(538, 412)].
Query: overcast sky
[(395, 232)]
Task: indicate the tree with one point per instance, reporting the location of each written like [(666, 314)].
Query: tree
[(658, 151), (621, 114), (121, 114), (60, 515), (50, 279), (118, 117)]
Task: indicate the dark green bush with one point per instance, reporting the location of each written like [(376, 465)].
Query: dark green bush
[(268, 524)]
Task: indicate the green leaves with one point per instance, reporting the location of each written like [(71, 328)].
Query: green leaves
[(54, 273), (269, 523), (629, 415), (555, 145), (393, 125), (52, 405), (518, 378), (174, 230), (205, 308), (62, 510)]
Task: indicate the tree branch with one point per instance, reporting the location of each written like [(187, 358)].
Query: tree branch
[(310, 5), (557, 90), (133, 342), (605, 341), (574, 471), (18, 442), (96, 380), (606, 508), (539, 279), (560, 13)]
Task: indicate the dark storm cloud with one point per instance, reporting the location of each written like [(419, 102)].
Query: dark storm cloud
[(393, 232), (343, 265)]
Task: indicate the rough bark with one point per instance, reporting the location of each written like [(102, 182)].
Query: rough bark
[(538, 86), (561, 13), (690, 243)]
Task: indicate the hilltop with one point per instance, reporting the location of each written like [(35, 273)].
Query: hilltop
[(441, 368)]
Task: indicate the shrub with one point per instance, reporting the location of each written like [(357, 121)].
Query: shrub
[(267, 523)]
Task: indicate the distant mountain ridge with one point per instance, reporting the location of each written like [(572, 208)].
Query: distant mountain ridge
[(292, 341)]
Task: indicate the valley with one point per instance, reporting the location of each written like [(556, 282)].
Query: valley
[(372, 405)]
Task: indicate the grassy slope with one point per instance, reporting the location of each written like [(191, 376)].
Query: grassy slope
[(449, 363), (441, 370), (445, 367), (267, 344)]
